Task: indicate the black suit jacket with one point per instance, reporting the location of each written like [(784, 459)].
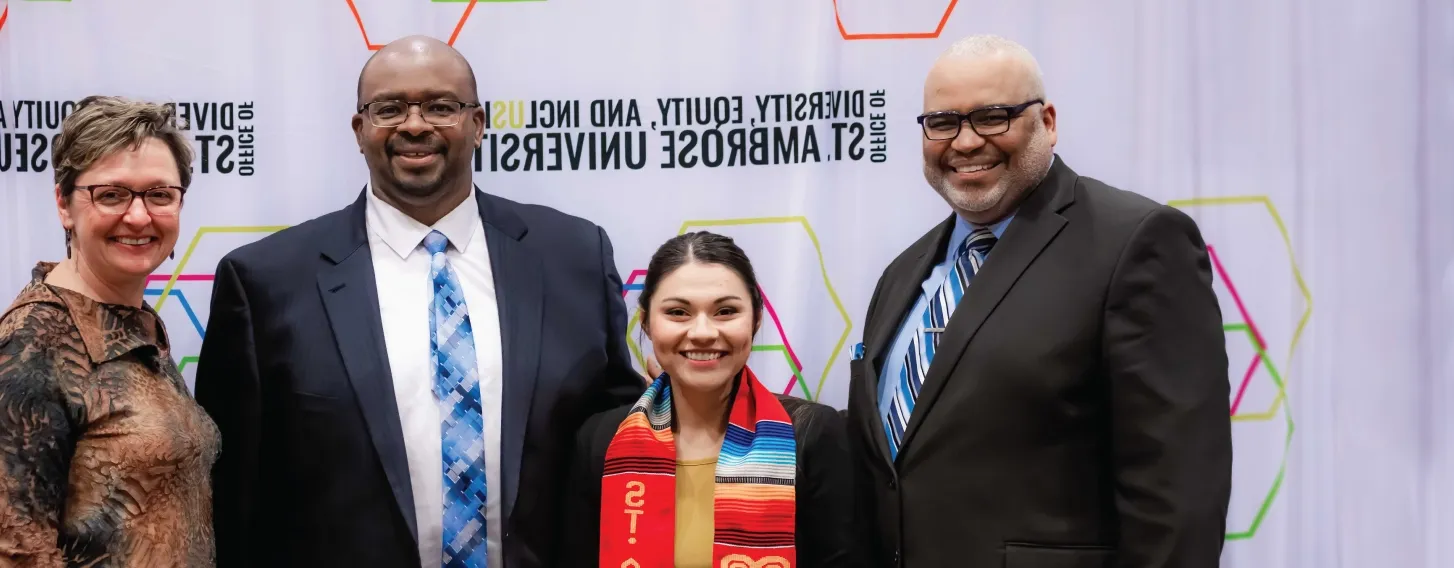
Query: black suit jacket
[(1076, 411), (828, 535), (295, 373)]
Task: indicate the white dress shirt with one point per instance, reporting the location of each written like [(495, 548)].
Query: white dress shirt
[(401, 269)]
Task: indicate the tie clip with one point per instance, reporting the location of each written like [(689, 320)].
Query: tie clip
[(934, 330)]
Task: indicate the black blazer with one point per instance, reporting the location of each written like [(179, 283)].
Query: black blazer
[(1076, 412), (827, 533), (295, 373)]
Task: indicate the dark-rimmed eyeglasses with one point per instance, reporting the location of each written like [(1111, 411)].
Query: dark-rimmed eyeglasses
[(160, 201), (438, 112), (987, 121)]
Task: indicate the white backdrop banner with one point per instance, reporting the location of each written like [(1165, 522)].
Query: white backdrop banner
[(1303, 137)]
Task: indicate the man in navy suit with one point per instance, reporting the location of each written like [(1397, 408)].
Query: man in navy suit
[(392, 386)]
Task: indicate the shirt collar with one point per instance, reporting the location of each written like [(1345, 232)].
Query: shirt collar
[(998, 228), (403, 234), (963, 228)]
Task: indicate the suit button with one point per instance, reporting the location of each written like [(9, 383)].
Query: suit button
[(897, 560), (893, 484)]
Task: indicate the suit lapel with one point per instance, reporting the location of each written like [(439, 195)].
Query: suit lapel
[(1036, 223), (350, 298), (897, 298), (518, 285), (901, 292)]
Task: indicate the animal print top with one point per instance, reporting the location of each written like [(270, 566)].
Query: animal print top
[(105, 458)]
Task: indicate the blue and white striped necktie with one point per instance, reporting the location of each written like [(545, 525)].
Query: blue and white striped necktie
[(922, 344)]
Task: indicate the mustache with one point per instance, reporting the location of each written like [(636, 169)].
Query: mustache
[(426, 144), (952, 157)]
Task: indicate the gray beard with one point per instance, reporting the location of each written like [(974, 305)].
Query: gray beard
[(1034, 163)]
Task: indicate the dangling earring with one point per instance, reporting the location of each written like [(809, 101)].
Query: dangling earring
[(68, 243)]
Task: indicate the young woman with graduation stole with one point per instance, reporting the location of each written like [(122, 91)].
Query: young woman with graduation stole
[(709, 468)]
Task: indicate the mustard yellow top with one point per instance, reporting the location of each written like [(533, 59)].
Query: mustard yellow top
[(696, 480)]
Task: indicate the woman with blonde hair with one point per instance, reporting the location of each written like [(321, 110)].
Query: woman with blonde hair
[(104, 456)]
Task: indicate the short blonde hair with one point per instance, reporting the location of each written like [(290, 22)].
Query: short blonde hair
[(101, 125)]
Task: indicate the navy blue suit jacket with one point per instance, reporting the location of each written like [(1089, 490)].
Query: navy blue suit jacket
[(294, 372)]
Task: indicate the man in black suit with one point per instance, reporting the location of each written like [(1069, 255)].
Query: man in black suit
[(1043, 378), (399, 382)]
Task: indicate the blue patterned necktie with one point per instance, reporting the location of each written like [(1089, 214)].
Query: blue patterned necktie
[(462, 424), (925, 339)]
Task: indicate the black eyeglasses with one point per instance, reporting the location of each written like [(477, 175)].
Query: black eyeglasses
[(160, 201), (438, 112), (988, 121)]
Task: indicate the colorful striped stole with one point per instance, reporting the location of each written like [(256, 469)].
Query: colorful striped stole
[(754, 503)]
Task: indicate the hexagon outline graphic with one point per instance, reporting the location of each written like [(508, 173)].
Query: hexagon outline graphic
[(1262, 508), (1249, 325), (375, 47), (1249, 329), (177, 275), (1297, 275), (786, 348), (1258, 345), (944, 19), (822, 268), (827, 285)]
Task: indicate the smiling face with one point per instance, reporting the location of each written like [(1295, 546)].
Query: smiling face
[(417, 161), (701, 325), (984, 177), (125, 246)]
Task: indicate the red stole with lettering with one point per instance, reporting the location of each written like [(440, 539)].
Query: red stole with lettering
[(754, 503)]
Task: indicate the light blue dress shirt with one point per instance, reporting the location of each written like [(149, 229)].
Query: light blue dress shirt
[(894, 361)]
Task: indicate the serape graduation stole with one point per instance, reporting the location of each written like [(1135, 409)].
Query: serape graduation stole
[(754, 502)]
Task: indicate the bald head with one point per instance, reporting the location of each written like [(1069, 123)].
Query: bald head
[(997, 51), (989, 133), (418, 50), (419, 162)]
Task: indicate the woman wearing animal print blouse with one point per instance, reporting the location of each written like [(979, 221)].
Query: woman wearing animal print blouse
[(104, 456)]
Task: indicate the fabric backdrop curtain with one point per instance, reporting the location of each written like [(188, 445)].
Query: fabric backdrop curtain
[(1310, 139)]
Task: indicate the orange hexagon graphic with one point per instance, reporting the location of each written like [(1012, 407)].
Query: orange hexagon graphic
[(901, 19), (363, 30)]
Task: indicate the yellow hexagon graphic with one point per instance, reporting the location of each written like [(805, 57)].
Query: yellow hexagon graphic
[(787, 355), (1256, 277)]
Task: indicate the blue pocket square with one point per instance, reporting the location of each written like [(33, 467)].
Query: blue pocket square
[(857, 351)]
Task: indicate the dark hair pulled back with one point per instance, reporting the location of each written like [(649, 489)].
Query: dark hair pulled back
[(707, 248)]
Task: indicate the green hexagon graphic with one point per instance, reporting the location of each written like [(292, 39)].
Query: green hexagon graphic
[(1256, 381)]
